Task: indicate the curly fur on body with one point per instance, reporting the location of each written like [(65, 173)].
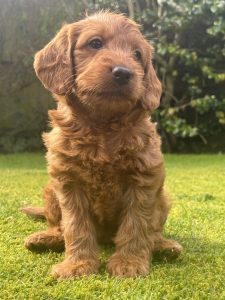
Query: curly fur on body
[(104, 159)]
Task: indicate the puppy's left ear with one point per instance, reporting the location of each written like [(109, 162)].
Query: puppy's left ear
[(153, 89)]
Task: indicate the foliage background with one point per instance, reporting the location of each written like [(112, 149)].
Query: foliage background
[(189, 41)]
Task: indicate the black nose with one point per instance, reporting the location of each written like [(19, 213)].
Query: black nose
[(121, 74)]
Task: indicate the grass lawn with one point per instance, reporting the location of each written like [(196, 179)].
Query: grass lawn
[(197, 221)]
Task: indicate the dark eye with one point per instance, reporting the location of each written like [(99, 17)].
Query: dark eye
[(137, 55), (96, 44)]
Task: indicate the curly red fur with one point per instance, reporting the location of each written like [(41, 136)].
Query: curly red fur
[(104, 159)]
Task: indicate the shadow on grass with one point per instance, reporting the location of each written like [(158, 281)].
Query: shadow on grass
[(196, 251)]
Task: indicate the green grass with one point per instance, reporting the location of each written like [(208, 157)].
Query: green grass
[(197, 186)]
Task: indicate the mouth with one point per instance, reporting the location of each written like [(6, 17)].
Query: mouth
[(107, 95), (110, 95)]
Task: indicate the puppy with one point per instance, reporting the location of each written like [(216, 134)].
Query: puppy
[(104, 159)]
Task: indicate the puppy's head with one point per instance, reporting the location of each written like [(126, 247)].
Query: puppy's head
[(104, 60)]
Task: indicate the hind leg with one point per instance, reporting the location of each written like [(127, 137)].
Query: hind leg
[(163, 248), (52, 238), (166, 248), (52, 208)]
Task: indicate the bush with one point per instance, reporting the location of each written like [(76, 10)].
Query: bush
[(188, 37)]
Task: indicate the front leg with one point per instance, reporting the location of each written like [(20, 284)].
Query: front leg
[(133, 241), (79, 233)]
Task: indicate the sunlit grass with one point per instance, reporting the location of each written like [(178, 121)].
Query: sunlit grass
[(197, 186)]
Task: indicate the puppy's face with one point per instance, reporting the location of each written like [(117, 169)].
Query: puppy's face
[(104, 60)]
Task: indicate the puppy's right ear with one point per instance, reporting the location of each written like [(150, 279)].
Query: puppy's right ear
[(54, 63)]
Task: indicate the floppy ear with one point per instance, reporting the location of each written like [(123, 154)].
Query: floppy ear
[(54, 63), (153, 89)]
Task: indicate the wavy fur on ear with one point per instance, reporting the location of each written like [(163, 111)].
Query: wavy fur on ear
[(54, 63), (153, 89)]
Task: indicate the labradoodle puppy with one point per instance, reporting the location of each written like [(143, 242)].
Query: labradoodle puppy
[(104, 160)]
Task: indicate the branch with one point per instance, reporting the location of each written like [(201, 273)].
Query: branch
[(130, 6)]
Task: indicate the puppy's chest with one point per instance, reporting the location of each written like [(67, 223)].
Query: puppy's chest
[(111, 148), (106, 165), (104, 186), (105, 162)]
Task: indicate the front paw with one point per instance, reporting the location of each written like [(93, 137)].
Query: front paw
[(127, 266), (68, 269)]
